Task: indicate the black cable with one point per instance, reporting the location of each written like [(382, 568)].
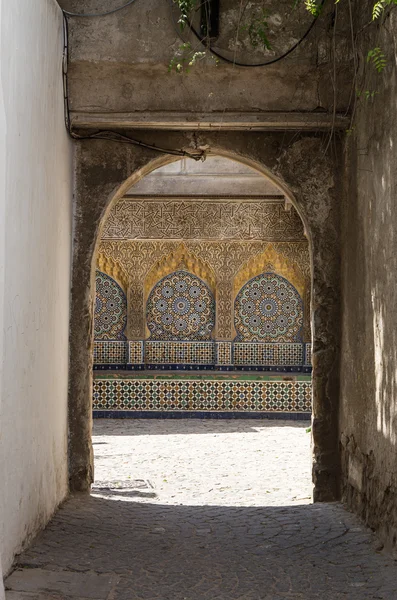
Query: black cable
[(111, 136), (239, 64), (92, 15)]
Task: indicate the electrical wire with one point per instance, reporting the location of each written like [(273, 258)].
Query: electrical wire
[(111, 136), (93, 15), (241, 64)]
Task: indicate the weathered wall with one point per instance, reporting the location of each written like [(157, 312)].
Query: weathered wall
[(304, 172), (35, 249), (368, 419), (119, 63)]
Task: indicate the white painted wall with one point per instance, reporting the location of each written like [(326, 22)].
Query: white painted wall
[(35, 251)]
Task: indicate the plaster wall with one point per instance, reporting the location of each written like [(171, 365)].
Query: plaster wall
[(35, 251), (119, 63), (368, 417)]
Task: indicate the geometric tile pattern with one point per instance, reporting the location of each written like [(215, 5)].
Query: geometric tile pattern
[(181, 353), (180, 307), (201, 395), (246, 353), (108, 353), (135, 352), (110, 316), (268, 309), (224, 353), (308, 354), (241, 354)]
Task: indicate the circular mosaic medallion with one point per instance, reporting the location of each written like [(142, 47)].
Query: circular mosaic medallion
[(110, 317), (268, 309), (180, 307)]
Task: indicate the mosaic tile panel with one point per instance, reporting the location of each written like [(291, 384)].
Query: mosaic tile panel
[(268, 309), (110, 316), (224, 354), (180, 307), (108, 353), (172, 353), (201, 395), (135, 352), (246, 353), (308, 354)]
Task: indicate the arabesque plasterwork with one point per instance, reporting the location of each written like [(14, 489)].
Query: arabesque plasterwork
[(204, 219), (221, 263)]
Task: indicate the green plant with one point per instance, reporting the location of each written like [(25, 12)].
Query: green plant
[(185, 7), (257, 31), (380, 6), (314, 7), (377, 59), (185, 58)]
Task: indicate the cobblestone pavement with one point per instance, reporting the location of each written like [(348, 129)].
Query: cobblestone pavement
[(202, 510)]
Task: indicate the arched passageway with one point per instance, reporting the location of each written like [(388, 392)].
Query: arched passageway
[(190, 540), (107, 170)]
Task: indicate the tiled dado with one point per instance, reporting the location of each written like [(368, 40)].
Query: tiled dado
[(181, 353), (201, 395), (308, 354), (246, 353), (224, 354), (208, 355), (107, 353), (135, 352)]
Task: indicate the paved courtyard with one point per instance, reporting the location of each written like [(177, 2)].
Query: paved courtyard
[(202, 510)]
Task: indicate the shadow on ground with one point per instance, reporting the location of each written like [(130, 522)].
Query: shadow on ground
[(103, 427), (122, 549)]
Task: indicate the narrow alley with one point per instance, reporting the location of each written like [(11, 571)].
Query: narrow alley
[(202, 509)]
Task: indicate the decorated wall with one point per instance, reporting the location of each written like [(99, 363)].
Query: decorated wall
[(225, 242), (209, 281), (212, 286)]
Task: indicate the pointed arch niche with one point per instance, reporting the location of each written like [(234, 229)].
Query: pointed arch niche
[(178, 260), (278, 262)]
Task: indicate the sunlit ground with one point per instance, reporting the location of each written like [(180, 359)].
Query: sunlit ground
[(203, 462)]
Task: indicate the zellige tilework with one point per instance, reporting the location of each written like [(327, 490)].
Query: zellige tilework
[(224, 353), (110, 352), (180, 307), (110, 316), (135, 352), (246, 353), (201, 395), (268, 309), (181, 353)]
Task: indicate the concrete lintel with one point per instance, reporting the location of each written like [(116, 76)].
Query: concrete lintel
[(231, 121)]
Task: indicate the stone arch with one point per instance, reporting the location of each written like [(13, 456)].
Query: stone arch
[(306, 175)]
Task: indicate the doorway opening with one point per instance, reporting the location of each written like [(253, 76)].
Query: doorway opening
[(202, 307)]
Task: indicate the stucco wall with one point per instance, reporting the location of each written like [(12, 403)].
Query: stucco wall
[(120, 62), (368, 419), (35, 250)]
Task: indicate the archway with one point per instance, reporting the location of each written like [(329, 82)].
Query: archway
[(108, 170)]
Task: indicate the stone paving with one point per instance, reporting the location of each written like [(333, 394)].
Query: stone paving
[(202, 510)]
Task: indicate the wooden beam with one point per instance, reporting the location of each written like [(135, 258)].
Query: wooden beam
[(232, 121)]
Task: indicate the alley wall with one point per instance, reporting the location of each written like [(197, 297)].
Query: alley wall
[(35, 250), (368, 419)]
